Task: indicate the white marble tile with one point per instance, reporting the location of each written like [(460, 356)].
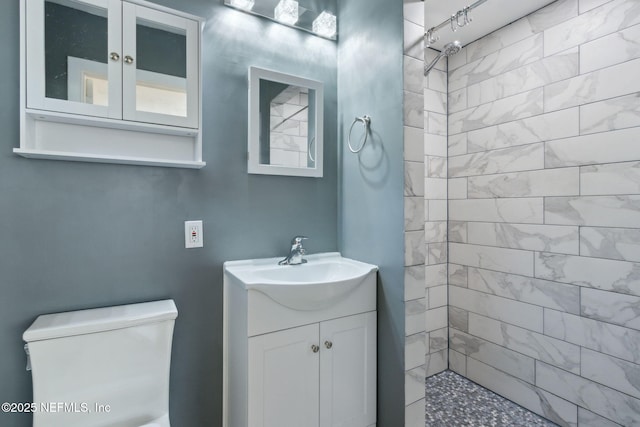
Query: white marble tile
[(524, 210), (548, 238), (601, 53), (436, 167), (515, 107), (437, 297), (413, 144), (458, 362), (413, 108), (435, 275), (435, 319), (413, 40), (413, 10), (458, 319), (414, 282), (545, 182), (614, 340), (435, 101), (603, 211), (438, 340), (611, 114), (591, 25), (458, 275), (530, 76), (437, 210), (593, 396), (611, 307), (587, 5), (435, 145), (597, 273), (435, 231), (506, 310), (414, 414), (499, 259), (435, 188), (545, 127), (542, 403), (458, 232), (511, 57), (414, 316), (457, 100), (414, 248), (543, 293), (413, 74), (588, 418), (436, 253), (611, 243), (436, 363), (609, 82), (457, 188), (616, 373), (511, 159), (506, 360), (436, 124), (415, 347), (413, 213), (457, 144), (414, 384), (437, 80), (458, 60), (614, 178), (413, 179), (541, 347)]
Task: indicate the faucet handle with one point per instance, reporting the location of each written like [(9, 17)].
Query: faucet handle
[(298, 240)]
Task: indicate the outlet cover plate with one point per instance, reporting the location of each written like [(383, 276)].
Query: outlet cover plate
[(193, 236)]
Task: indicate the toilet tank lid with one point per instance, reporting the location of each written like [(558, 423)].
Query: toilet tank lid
[(58, 325)]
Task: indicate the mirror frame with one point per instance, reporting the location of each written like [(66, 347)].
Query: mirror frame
[(254, 166)]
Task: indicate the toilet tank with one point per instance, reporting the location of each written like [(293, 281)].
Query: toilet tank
[(104, 367)]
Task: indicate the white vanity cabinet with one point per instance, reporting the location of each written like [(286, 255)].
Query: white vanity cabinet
[(314, 375), (114, 81), (299, 355)]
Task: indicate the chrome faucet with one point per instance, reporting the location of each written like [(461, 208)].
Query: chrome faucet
[(295, 255)]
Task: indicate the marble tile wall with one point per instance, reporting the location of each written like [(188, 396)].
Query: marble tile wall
[(544, 212)]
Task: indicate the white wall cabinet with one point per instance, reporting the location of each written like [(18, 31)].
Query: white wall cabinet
[(315, 375), (110, 81)]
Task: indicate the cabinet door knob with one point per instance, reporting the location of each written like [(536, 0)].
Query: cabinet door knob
[(328, 344), (315, 348), (114, 56), (128, 59)]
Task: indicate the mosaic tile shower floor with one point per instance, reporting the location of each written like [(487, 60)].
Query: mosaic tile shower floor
[(453, 400)]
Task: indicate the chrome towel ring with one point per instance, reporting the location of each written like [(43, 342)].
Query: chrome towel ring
[(366, 121)]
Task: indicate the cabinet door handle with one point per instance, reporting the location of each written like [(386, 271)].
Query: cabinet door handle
[(128, 59), (328, 344), (315, 348), (114, 56)]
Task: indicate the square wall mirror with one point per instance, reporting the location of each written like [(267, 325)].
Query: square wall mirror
[(285, 124)]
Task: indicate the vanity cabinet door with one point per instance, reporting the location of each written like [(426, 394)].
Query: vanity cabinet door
[(348, 371), (73, 50), (160, 67), (284, 378)]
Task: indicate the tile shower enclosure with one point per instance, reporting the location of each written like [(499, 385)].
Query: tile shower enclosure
[(542, 184)]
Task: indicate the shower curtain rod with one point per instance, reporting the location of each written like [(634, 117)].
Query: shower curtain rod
[(454, 22)]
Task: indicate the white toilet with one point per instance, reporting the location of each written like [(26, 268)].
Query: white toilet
[(104, 367)]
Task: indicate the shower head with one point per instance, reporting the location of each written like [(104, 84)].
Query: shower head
[(448, 50)]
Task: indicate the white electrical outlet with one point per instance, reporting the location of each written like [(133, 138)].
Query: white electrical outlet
[(193, 237)]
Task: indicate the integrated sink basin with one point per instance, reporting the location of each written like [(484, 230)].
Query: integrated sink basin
[(323, 281)]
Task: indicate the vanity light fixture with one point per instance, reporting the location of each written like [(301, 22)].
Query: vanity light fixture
[(242, 4), (325, 25), (286, 12)]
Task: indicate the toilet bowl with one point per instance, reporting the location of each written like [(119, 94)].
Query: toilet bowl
[(104, 367)]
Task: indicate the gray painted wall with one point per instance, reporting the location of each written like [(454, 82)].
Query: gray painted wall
[(80, 235), (371, 187)]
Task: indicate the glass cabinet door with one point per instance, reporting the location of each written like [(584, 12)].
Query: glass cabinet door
[(160, 67), (73, 56)]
